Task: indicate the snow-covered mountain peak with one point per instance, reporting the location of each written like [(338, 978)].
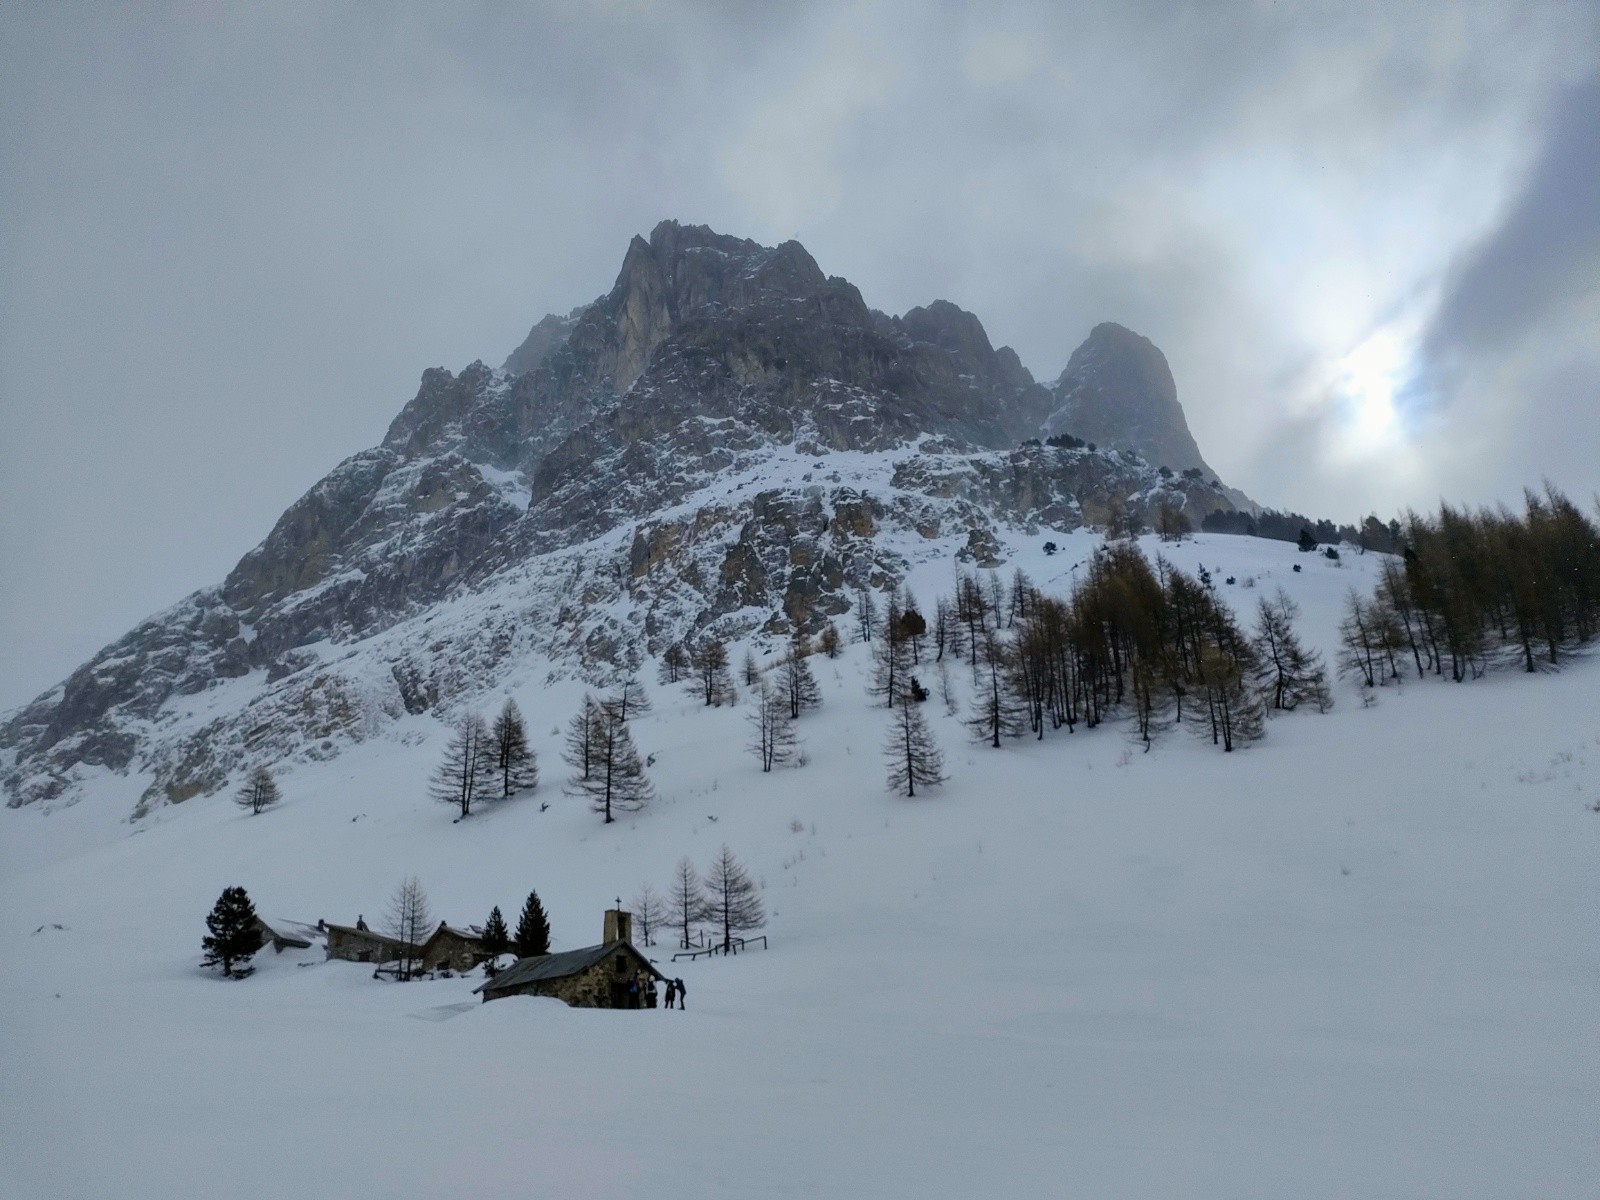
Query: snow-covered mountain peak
[(630, 479)]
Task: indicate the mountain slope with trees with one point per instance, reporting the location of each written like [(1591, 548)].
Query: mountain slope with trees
[(728, 439)]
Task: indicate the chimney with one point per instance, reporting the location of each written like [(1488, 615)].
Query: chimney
[(619, 926)]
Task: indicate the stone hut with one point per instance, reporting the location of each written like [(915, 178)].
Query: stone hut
[(357, 943), (594, 977), (452, 947), (281, 937)]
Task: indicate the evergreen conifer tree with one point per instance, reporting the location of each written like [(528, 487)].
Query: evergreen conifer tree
[(533, 929), (234, 934), (496, 937)]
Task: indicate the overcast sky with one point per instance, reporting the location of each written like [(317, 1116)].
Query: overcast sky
[(232, 236)]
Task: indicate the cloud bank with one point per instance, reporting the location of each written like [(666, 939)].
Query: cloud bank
[(234, 235)]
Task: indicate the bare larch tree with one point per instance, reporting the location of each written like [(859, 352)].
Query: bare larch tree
[(514, 760), (686, 901), (912, 754), (409, 922), (649, 912), (260, 791), (465, 776), (733, 901), (771, 728), (616, 780)]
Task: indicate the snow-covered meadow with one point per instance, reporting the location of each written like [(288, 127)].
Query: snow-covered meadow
[(1357, 959)]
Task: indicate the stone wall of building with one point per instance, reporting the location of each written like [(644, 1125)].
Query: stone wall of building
[(590, 988), (354, 948), (457, 953)]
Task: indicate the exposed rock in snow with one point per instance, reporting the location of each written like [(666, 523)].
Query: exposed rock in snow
[(727, 438), (1118, 391)]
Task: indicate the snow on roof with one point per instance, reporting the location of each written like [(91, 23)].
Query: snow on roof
[(558, 966), (292, 932), (373, 934)]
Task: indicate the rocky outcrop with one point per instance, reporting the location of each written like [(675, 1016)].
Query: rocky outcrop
[(551, 331), (1118, 391), (649, 466)]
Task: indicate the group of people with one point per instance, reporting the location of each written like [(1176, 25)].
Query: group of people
[(642, 992)]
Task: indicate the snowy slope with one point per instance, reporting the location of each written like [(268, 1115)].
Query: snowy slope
[(1355, 960)]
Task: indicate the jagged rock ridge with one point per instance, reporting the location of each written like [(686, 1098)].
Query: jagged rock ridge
[(667, 445), (1117, 390)]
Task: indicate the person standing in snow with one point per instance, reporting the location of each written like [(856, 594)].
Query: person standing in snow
[(682, 992), (672, 992)]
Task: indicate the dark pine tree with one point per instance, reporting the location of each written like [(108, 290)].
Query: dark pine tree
[(533, 929), (234, 935), (496, 937)]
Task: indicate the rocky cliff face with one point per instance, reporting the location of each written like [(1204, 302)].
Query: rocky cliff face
[(1117, 390), (727, 438)]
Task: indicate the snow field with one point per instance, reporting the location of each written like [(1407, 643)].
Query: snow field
[(1357, 959)]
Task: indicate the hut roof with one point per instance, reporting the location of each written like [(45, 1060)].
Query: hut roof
[(369, 934), (559, 966), (285, 932), (468, 933)]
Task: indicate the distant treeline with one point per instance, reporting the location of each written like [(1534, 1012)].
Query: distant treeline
[(1372, 534), (1473, 588)]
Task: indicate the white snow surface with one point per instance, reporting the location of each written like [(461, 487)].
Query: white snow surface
[(1358, 959)]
